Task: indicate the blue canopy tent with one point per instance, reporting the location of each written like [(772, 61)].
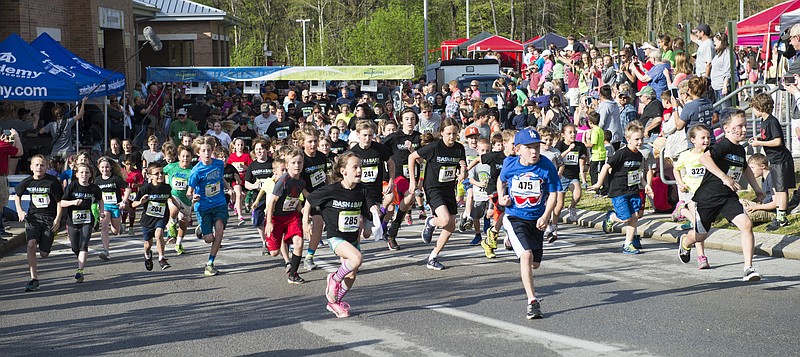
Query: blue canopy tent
[(543, 41)]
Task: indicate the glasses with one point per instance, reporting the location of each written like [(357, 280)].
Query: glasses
[(181, 115), (473, 85)]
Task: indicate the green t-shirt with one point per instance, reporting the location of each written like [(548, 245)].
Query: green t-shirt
[(670, 56), (596, 138), (177, 127), (178, 179), (558, 70)]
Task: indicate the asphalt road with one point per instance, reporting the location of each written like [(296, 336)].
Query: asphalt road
[(596, 301)]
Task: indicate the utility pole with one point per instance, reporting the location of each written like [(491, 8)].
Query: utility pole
[(303, 21), (425, 18)]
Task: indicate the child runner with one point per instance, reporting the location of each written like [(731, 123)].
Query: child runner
[(549, 137), (595, 139), (135, 180), (375, 158), (155, 194), (446, 166), (314, 175), (689, 173), (471, 134), (256, 174), (283, 213), (725, 164), (268, 186), (240, 159), (626, 176), (232, 178), (115, 196), (206, 187), (402, 143), (77, 204), (152, 154), (479, 176), (181, 209), (343, 205), (574, 154), (43, 216), (524, 187)]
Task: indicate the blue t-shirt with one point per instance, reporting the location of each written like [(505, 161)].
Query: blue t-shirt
[(206, 180), (529, 186)]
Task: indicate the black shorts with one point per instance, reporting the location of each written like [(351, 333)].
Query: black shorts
[(79, 236), (524, 236), (149, 233), (40, 229), (442, 197), (729, 207), (782, 175)]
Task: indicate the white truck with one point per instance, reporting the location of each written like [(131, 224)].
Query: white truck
[(445, 71)]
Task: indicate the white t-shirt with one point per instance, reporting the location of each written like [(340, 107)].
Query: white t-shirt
[(224, 138), (705, 53), (262, 123)]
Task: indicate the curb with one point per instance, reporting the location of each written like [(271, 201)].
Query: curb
[(14, 242), (652, 226)]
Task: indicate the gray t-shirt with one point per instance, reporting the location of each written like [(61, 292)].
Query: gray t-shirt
[(705, 53), (429, 126), (609, 120), (62, 139), (720, 69)]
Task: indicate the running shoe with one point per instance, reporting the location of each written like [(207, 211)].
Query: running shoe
[(750, 274), (685, 253), (33, 285), (676, 213), (434, 264), (422, 215), (309, 262), (122, 229), (79, 276), (427, 231), (171, 240), (172, 229), (507, 244), (534, 310), (198, 232), (241, 221), (629, 249), (608, 223), (476, 240), (104, 255), (265, 252), (637, 241), (548, 232), (148, 262), (9, 234), (392, 243), (460, 226), (164, 264), (573, 214), (340, 309), (553, 235), (491, 238), (487, 250), (775, 225), (295, 279), (210, 270), (408, 219), (332, 289), (468, 224), (391, 232), (686, 225), (179, 249), (702, 262)]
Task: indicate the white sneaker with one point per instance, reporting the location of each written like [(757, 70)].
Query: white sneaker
[(573, 214)]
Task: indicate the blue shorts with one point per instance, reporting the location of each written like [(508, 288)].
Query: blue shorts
[(149, 232), (565, 182), (207, 219), (626, 206), (467, 185), (258, 216), (524, 235), (113, 210)]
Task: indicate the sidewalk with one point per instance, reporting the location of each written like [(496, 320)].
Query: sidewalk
[(653, 226), (16, 241)]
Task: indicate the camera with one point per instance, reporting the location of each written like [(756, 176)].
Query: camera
[(789, 79)]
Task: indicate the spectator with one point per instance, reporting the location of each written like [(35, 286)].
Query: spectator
[(701, 35), (61, 130), (721, 69), (178, 127), (10, 145), (657, 77), (609, 116)]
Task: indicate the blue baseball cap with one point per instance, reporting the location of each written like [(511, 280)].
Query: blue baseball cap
[(527, 136)]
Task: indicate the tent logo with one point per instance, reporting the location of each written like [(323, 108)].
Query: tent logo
[(7, 57), (56, 69)]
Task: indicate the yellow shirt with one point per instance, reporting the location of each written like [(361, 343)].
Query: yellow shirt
[(692, 171)]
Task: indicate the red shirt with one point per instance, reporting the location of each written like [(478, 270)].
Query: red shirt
[(6, 150), (135, 179), (240, 162)]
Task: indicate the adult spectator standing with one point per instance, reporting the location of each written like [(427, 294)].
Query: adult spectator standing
[(653, 111), (609, 71), (698, 110), (282, 127), (721, 69), (23, 122), (244, 132), (116, 118), (156, 97), (199, 111), (141, 119), (657, 77), (264, 120), (476, 93), (530, 56), (61, 131), (178, 127), (609, 116), (306, 107), (10, 146), (701, 35)]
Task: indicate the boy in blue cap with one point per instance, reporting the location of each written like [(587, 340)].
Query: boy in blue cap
[(524, 186)]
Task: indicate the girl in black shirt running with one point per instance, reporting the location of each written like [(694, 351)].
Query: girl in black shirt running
[(77, 202)]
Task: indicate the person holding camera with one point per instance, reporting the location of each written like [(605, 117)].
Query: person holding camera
[(61, 130)]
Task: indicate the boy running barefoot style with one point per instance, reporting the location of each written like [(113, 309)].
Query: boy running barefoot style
[(725, 164), (43, 216), (180, 209), (626, 175), (115, 196), (77, 202), (343, 205), (525, 186), (154, 195), (205, 187), (283, 213), (446, 165)]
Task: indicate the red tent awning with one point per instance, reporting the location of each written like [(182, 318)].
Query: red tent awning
[(767, 21), (455, 42), (498, 43)]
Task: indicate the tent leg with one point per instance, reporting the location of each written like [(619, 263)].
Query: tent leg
[(105, 110)]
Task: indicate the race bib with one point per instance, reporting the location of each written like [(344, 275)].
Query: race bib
[(349, 221), (179, 184), (470, 159), (696, 172), (81, 216), (634, 177), (282, 135), (110, 198), (447, 174), (405, 170), (132, 196), (571, 158), (735, 172), (526, 187), (369, 174), (317, 178), (239, 166), (212, 189), (290, 204), (156, 209), (40, 200), (480, 194)]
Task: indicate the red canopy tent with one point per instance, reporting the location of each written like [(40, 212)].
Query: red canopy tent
[(754, 30), (448, 46), (510, 50)]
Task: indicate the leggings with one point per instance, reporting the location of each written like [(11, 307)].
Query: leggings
[(79, 237)]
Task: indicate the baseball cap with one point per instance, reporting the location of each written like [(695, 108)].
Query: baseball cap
[(546, 53), (527, 136), (471, 130), (704, 28), (647, 46), (646, 90), (182, 111), (306, 93), (244, 121), (530, 103), (793, 31), (264, 107)]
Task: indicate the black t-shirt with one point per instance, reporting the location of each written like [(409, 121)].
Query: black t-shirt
[(304, 109), (442, 164), (730, 158), (626, 172), (654, 109), (247, 135), (288, 191), (314, 171), (81, 214), (45, 194), (257, 171), (396, 142), (771, 129), (323, 104), (111, 188), (281, 130), (495, 161), (138, 117), (342, 209), (572, 167), (331, 160), (373, 165), (339, 146), (230, 175), (156, 207)]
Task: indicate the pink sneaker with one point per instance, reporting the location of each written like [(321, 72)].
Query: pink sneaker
[(676, 213), (340, 309), (332, 290), (702, 262)]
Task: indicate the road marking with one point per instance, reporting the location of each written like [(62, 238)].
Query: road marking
[(547, 338)]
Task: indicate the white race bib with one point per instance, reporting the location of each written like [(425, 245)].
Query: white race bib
[(290, 204), (571, 158), (349, 221), (526, 187), (179, 184), (82, 216), (447, 174), (317, 178), (405, 170), (40, 200), (109, 198), (156, 209), (212, 189), (132, 196), (369, 174), (735, 172), (634, 177), (696, 172)]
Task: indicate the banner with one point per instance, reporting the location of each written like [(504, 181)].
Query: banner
[(232, 74)]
